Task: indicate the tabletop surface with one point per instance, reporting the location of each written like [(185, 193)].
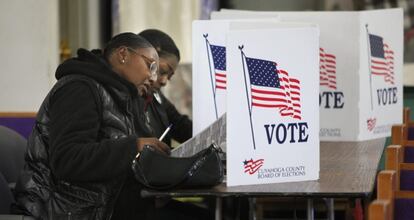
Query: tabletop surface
[(348, 169)]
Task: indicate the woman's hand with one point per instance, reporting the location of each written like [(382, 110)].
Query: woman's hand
[(153, 142)]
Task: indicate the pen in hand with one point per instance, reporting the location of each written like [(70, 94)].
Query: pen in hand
[(165, 132), (161, 138)]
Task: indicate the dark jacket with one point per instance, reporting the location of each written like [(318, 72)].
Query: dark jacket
[(162, 113), (80, 150)]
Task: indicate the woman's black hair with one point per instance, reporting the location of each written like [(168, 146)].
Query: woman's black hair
[(126, 39), (162, 43)]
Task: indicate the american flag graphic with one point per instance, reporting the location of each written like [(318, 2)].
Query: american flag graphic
[(252, 166), (327, 69), (382, 59), (371, 123), (273, 88), (219, 61)]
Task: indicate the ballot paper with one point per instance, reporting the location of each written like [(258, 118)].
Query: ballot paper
[(215, 133)]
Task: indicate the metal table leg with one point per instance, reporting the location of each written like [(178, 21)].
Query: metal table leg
[(252, 208), (331, 208), (309, 210), (218, 208)]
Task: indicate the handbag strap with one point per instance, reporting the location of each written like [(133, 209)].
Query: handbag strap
[(193, 169)]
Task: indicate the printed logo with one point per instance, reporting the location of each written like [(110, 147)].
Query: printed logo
[(327, 69), (329, 98), (371, 123), (219, 60), (381, 64), (382, 59), (268, 86), (273, 88), (252, 166), (218, 56)]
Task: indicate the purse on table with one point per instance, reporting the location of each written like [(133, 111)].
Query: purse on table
[(157, 171)]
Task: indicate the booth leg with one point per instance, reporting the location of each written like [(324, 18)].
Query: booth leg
[(309, 210), (218, 208)]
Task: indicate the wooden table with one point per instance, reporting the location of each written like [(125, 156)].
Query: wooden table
[(347, 170)]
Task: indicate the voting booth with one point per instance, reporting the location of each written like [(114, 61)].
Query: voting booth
[(272, 131), (209, 72), (265, 76), (210, 68), (361, 60)]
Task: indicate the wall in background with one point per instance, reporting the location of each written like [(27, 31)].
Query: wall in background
[(80, 24), (29, 52), (278, 5), (173, 17)]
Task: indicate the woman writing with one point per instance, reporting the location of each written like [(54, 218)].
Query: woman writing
[(87, 131)]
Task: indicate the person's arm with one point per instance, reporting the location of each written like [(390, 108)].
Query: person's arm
[(182, 128), (76, 153)]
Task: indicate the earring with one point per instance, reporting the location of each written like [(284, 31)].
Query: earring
[(122, 61)]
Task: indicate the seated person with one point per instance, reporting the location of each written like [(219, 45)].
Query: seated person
[(160, 111), (87, 131)]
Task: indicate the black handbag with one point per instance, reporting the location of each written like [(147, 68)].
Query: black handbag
[(158, 171)]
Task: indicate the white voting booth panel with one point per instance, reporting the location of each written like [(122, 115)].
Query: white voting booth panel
[(209, 72), (361, 58), (272, 128), (381, 59), (210, 69)]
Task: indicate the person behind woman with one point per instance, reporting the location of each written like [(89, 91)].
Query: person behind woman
[(78, 162), (161, 112)]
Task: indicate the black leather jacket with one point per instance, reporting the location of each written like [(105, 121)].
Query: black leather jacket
[(44, 190), (162, 113)]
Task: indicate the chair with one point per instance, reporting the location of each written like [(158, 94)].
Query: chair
[(391, 203), (6, 196), (406, 115), (6, 200), (395, 189), (383, 207), (12, 150), (380, 209), (404, 171), (400, 135), (409, 123)]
